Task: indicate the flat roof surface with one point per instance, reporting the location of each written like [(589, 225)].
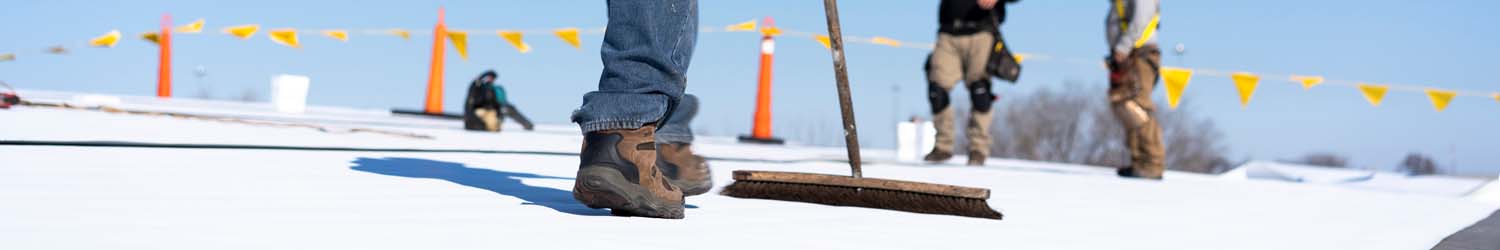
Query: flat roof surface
[(511, 190)]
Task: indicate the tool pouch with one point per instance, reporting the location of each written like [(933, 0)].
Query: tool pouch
[(1002, 63)]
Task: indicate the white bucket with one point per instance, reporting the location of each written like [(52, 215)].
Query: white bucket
[(289, 93), (914, 139)]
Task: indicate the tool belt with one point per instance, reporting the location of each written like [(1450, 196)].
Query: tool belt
[(1120, 71)]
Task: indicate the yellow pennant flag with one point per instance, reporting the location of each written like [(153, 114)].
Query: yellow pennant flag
[(1245, 82), (460, 41), (243, 31), (154, 37), (286, 37), (569, 35), (7, 57), (341, 35), (514, 37), (194, 27), (745, 26), (1308, 81), (1177, 80), (404, 34), (770, 31), (1440, 98), (822, 39), (885, 41), (108, 40), (1373, 93)]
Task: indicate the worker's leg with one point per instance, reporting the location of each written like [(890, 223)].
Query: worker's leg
[(944, 69), (647, 46), (471, 120), (977, 48), (678, 127), (514, 113), (674, 150), (490, 118), (1147, 61), (1130, 99)]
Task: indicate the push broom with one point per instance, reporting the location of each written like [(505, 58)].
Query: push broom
[(856, 190)]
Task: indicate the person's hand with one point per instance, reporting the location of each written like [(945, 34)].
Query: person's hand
[(987, 4)]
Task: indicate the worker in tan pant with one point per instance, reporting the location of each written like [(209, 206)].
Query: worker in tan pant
[(1135, 62), (954, 58), (966, 38), (1130, 99)]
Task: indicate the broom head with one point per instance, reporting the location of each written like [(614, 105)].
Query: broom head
[(840, 190)]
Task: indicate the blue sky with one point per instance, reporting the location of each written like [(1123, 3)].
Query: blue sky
[(1438, 44)]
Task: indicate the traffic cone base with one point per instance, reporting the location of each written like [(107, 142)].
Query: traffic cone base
[(756, 140)]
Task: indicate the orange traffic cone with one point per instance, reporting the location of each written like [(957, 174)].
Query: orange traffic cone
[(434, 102), (761, 130), (164, 63), (432, 105)]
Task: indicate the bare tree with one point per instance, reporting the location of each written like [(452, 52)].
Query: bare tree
[(1049, 125), (1419, 164), (1323, 159), (1193, 144), (1076, 125)]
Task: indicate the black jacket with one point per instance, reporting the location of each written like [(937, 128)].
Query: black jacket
[(481, 95), (963, 17)]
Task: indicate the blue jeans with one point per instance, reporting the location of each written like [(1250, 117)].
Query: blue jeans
[(647, 47), (678, 127)]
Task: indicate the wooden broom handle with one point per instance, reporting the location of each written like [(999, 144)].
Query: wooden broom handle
[(840, 72)]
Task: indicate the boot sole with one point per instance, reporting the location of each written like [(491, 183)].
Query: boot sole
[(691, 190), (603, 187)]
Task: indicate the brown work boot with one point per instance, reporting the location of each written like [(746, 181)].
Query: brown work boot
[(618, 171), (684, 169), (1129, 172), (977, 159), (938, 156)]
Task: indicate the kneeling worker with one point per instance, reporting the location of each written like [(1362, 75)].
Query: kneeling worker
[(486, 106)]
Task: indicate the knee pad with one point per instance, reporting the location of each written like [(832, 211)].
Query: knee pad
[(981, 95), (937, 96)]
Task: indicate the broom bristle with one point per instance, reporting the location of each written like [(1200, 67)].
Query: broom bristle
[(862, 197)]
